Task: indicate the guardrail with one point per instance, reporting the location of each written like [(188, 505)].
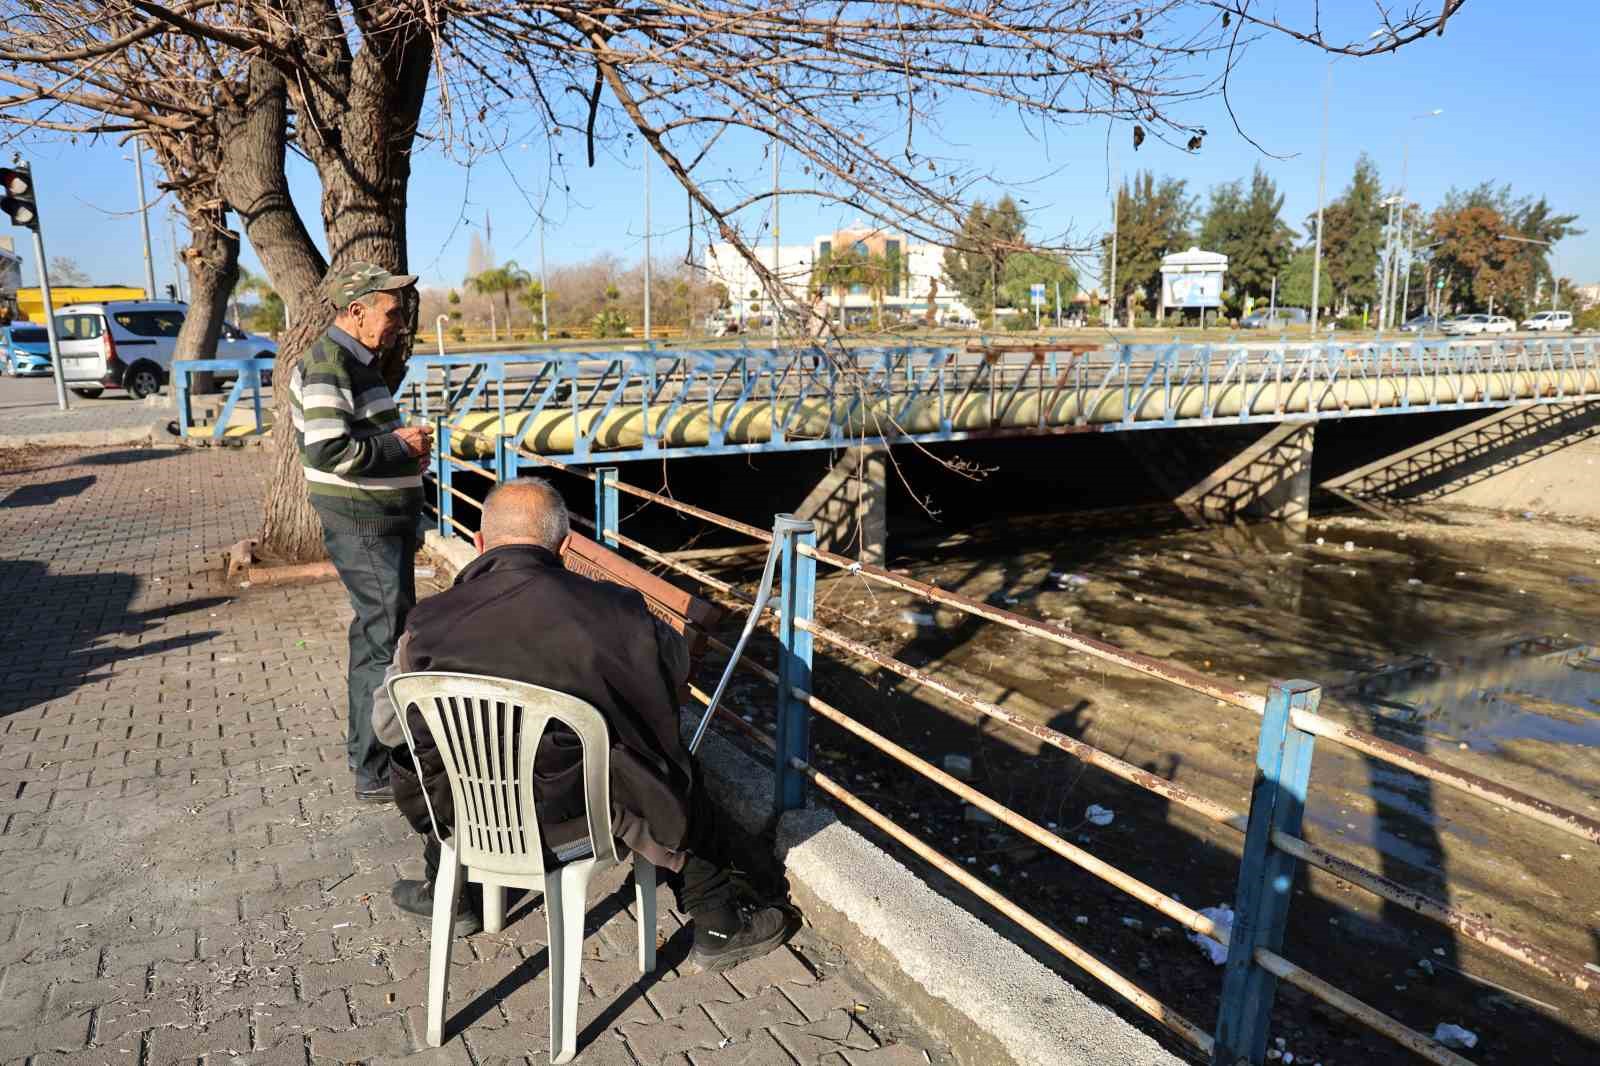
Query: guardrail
[(248, 374), (1271, 825), (635, 404)]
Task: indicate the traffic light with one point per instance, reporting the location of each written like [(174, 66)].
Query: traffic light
[(16, 196)]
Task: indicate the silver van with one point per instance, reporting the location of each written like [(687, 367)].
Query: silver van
[(122, 345)]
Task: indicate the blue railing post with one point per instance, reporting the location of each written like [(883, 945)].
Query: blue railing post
[(1266, 875), (181, 387), (797, 598), (502, 454), (441, 475), (606, 518)]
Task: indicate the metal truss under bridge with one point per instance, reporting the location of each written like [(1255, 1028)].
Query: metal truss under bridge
[(636, 404)]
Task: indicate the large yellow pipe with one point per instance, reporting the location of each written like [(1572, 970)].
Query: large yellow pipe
[(553, 431)]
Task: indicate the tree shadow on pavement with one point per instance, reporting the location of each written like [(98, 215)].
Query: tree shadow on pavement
[(45, 493), (61, 630)]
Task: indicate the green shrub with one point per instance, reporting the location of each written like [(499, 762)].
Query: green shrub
[(458, 334), (1351, 322), (1017, 323), (610, 323)]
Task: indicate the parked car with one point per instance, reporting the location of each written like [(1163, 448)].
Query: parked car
[(235, 343), (1550, 321), (24, 350), (1470, 325), (130, 344), (1275, 319), (1422, 324)]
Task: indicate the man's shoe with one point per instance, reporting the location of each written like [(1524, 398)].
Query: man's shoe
[(380, 792), (416, 897), (759, 930)]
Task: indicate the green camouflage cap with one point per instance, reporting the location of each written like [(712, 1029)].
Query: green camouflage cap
[(362, 279)]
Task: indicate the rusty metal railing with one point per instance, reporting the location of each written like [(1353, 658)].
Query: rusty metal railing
[(1271, 826)]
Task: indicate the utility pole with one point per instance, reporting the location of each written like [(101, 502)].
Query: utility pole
[(1322, 192), (144, 222), (777, 265), (1111, 292), (646, 242), (177, 258), (544, 282)]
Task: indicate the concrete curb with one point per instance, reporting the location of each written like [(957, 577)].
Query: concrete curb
[(453, 552), (981, 993), (90, 438)]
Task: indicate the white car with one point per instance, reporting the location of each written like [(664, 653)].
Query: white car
[(1468, 325), (1550, 321), (129, 344)]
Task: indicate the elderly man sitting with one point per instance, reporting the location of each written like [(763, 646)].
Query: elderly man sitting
[(516, 613)]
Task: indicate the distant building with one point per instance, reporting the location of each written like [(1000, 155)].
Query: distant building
[(1588, 295), (919, 290)]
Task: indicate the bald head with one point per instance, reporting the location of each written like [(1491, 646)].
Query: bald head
[(527, 510)]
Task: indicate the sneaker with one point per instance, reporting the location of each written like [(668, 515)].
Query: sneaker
[(416, 897), (760, 930)]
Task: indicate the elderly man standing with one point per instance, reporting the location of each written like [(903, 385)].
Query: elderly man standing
[(364, 474)]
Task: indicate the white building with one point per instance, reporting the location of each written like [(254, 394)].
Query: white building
[(10, 275), (920, 290)]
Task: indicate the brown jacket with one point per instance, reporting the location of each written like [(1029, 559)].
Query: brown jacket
[(516, 613)]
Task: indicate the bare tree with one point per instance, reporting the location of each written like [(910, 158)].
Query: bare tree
[(853, 94)]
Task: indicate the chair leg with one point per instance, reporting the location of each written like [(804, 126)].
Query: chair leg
[(565, 895), (644, 906), (494, 908), (445, 893)]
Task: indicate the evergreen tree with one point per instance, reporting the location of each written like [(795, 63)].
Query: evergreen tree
[(1248, 229), (1352, 236), (978, 258), (1027, 269), (1294, 284), (1153, 220)]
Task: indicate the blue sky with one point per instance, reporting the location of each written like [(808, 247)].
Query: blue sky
[(1517, 102)]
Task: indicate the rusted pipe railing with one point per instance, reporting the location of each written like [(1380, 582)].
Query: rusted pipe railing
[(1473, 926), (1311, 984), (1113, 980), (1539, 810)]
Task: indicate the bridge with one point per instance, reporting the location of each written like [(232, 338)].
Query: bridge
[(504, 412)]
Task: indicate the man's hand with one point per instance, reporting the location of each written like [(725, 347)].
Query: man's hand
[(418, 440)]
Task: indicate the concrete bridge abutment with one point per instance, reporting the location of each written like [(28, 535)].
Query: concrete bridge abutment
[(1229, 473), (850, 505)]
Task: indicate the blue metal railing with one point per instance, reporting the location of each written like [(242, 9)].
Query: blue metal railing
[(867, 396), (248, 374)]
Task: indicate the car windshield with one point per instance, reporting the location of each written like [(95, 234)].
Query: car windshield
[(29, 336)]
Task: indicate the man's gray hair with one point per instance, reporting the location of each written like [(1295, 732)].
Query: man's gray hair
[(526, 508)]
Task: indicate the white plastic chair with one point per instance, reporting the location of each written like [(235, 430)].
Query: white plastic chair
[(487, 730)]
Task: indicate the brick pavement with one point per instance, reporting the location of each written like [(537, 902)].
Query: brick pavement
[(184, 876)]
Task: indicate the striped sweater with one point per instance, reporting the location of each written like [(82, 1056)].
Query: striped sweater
[(360, 478)]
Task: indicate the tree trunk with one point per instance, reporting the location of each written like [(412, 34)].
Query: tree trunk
[(357, 127), (253, 181), (213, 262)]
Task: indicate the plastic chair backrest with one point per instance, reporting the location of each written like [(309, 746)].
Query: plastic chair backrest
[(487, 730)]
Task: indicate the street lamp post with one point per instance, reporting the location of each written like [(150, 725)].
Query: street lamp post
[(144, 222), (1322, 193), (1393, 290), (1555, 275)]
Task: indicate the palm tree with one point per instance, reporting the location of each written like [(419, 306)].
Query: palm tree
[(880, 273), (532, 297), (501, 280)]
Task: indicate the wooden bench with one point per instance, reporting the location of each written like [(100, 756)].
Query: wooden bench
[(685, 612)]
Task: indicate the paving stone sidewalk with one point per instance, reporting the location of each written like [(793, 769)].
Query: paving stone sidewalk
[(184, 875)]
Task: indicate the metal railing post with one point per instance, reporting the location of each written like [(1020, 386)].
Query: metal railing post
[(797, 601), (606, 516), (502, 456), (441, 475), (1266, 875), (180, 394)]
